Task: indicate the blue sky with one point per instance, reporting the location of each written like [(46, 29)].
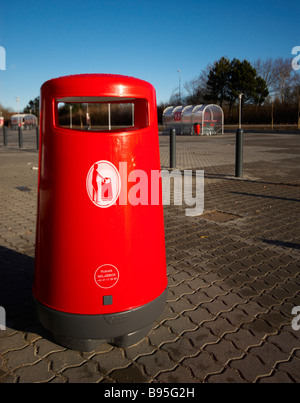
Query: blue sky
[(146, 39)]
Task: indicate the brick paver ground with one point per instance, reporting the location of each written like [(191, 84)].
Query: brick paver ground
[(233, 274)]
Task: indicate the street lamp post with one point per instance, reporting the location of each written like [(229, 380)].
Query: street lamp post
[(179, 71), (240, 110), (71, 116), (18, 99), (239, 144)]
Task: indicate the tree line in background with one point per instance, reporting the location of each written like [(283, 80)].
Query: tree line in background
[(32, 107), (270, 88)]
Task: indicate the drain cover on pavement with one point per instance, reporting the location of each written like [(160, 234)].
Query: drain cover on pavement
[(219, 216)]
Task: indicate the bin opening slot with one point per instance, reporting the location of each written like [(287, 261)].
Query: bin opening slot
[(101, 113)]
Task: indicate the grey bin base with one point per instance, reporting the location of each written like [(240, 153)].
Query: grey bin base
[(87, 332)]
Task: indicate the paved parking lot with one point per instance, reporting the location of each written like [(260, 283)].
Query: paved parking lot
[(233, 272)]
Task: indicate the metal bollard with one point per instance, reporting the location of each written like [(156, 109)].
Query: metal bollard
[(5, 135), (37, 132), (20, 133), (239, 153), (172, 148)]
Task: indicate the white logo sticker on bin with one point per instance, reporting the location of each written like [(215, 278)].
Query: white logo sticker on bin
[(103, 184), (106, 276)]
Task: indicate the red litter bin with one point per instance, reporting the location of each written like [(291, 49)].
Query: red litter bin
[(100, 264), (197, 128)]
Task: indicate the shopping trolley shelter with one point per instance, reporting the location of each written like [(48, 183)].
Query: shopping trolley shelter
[(191, 119)]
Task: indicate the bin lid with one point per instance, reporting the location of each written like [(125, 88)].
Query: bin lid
[(105, 86)]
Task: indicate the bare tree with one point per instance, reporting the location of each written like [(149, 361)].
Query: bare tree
[(265, 69), (174, 97), (278, 75), (283, 76), (197, 87)]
